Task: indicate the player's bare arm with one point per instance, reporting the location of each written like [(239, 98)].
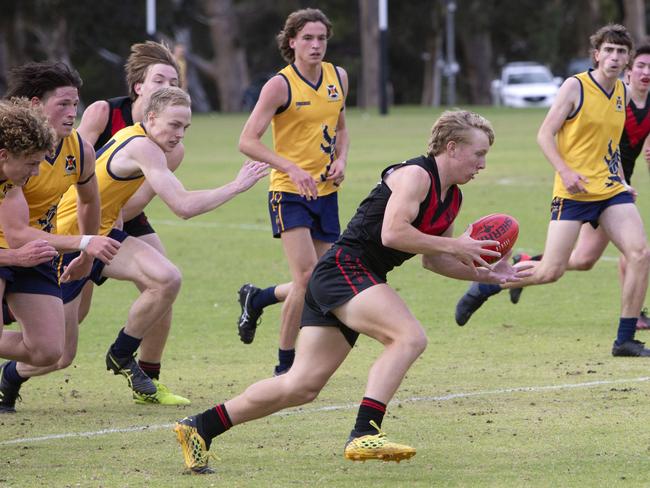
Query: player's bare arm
[(151, 161), (566, 102), (336, 171), (409, 187), (143, 196), (274, 95), (93, 121)]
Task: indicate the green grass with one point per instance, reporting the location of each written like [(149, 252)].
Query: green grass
[(495, 433)]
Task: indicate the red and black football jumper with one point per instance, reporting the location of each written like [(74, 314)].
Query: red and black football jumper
[(359, 260), (637, 128), (119, 117)]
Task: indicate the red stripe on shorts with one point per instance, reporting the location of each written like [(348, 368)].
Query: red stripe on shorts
[(363, 268), (345, 275)]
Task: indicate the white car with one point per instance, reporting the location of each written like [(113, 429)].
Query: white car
[(525, 85)]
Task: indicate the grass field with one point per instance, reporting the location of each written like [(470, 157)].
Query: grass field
[(524, 395)]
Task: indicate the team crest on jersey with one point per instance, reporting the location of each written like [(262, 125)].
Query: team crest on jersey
[(70, 164), (333, 92), (619, 104), (613, 161)]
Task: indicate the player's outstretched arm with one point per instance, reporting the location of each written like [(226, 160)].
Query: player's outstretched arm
[(184, 203)]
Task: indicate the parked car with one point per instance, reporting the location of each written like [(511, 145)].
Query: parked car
[(525, 84)]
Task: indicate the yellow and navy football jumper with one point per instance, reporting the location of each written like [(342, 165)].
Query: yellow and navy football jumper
[(114, 191), (589, 140), (304, 129), (56, 174)]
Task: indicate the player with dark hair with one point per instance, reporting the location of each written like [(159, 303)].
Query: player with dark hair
[(30, 212), (149, 67), (305, 104), (580, 137), (411, 211)]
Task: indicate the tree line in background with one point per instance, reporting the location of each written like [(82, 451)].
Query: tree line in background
[(231, 51)]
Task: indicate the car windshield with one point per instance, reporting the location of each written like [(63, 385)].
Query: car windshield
[(530, 77)]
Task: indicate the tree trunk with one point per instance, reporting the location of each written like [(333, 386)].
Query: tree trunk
[(433, 62), (634, 19), (229, 68), (369, 80), (476, 46)]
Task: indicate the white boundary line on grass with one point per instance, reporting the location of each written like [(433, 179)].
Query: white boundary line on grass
[(348, 406)]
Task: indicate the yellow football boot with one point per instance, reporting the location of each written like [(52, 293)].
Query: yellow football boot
[(376, 446), (193, 445)]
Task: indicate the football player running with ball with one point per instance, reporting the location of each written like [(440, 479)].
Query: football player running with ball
[(411, 211)]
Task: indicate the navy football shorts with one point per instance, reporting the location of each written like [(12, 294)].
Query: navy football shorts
[(38, 280), (290, 210), (567, 209)]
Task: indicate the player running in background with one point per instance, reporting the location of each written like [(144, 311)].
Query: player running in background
[(305, 104), (592, 242), (149, 67), (580, 137), (411, 211), (30, 212), (135, 154)]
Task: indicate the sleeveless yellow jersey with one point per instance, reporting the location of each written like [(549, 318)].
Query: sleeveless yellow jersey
[(114, 191), (56, 174), (588, 140), (304, 130)]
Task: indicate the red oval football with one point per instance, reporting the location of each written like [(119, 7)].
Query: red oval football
[(496, 227)]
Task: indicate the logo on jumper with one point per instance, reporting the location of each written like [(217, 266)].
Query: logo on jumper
[(45, 222), (612, 160), (333, 92), (619, 104), (302, 104), (70, 164), (329, 147)]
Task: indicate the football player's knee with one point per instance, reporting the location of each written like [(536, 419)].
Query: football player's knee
[(46, 356), (171, 279), (416, 344), (305, 393), (584, 263), (548, 275), (639, 259)]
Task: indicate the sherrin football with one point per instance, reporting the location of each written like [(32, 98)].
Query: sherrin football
[(496, 227)]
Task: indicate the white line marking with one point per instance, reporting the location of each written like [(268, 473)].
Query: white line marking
[(347, 406)]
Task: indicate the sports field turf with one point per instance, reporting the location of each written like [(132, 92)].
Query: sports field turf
[(524, 395)]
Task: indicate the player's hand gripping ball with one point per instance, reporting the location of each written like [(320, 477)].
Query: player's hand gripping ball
[(496, 227)]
